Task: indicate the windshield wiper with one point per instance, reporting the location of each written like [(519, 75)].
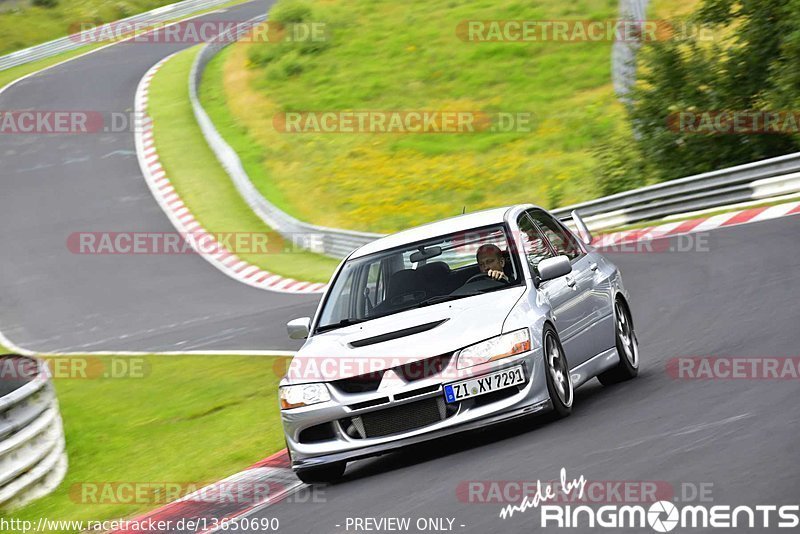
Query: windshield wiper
[(340, 324), (442, 298)]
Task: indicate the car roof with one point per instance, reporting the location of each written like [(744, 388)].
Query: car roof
[(458, 223)]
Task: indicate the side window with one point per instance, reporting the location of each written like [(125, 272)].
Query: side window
[(563, 242), (536, 247), (375, 285), (342, 295)]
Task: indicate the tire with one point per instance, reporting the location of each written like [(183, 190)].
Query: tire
[(627, 348), (325, 474), (557, 375)]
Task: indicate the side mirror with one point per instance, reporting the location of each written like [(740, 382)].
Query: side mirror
[(298, 328), (583, 230), (554, 268)]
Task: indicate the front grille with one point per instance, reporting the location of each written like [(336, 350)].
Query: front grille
[(397, 419), (417, 392), (369, 403), (423, 368), (359, 384)]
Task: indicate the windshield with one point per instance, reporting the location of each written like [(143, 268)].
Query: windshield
[(424, 273)]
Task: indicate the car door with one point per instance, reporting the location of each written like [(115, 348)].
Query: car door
[(598, 330), (580, 311), (562, 293), (601, 325)]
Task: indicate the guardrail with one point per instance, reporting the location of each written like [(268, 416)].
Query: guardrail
[(760, 180), (753, 181), (33, 458), (330, 241), (77, 40)]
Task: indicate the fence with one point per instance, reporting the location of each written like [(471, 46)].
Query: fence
[(761, 180), (33, 458)]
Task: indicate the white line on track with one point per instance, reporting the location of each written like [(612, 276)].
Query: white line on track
[(4, 341)]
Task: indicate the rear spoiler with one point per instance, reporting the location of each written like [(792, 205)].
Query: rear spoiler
[(583, 230)]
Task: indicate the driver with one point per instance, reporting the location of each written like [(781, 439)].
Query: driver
[(491, 262)]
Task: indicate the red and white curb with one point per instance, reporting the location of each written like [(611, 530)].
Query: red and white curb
[(182, 218), (217, 506), (696, 225)]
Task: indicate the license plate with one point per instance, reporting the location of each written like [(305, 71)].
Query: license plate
[(481, 385)]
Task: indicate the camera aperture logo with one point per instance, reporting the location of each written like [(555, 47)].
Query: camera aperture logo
[(663, 516)]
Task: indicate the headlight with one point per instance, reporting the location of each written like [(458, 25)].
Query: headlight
[(303, 395), (502, 346)]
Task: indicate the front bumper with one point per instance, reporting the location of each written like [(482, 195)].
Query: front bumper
[(470, 414)]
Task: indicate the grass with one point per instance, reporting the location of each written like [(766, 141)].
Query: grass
[(202, 182), (406, 56), (668, 9), (187, 419)]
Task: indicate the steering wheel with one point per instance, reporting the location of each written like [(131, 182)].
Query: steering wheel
[(403, 298), (476, 277)]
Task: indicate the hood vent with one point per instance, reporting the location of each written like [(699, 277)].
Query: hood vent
[(395, 335)]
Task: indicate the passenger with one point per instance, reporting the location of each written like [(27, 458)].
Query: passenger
[(491, 262)]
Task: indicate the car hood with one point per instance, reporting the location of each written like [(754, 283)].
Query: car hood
[(332, 355)]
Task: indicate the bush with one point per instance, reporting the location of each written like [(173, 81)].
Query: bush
[(751, 64), (45, 3), (286, 66), (284, 58), (264, 54), (123, 10), (620, 165), (290, 12)]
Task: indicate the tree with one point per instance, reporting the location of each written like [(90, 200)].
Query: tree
[(751, 63)]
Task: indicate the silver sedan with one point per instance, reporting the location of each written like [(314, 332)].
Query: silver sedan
[(449, 327)]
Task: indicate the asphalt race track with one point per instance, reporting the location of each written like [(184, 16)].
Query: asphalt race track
[(54, 185), (735, 294), (739, 298)]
